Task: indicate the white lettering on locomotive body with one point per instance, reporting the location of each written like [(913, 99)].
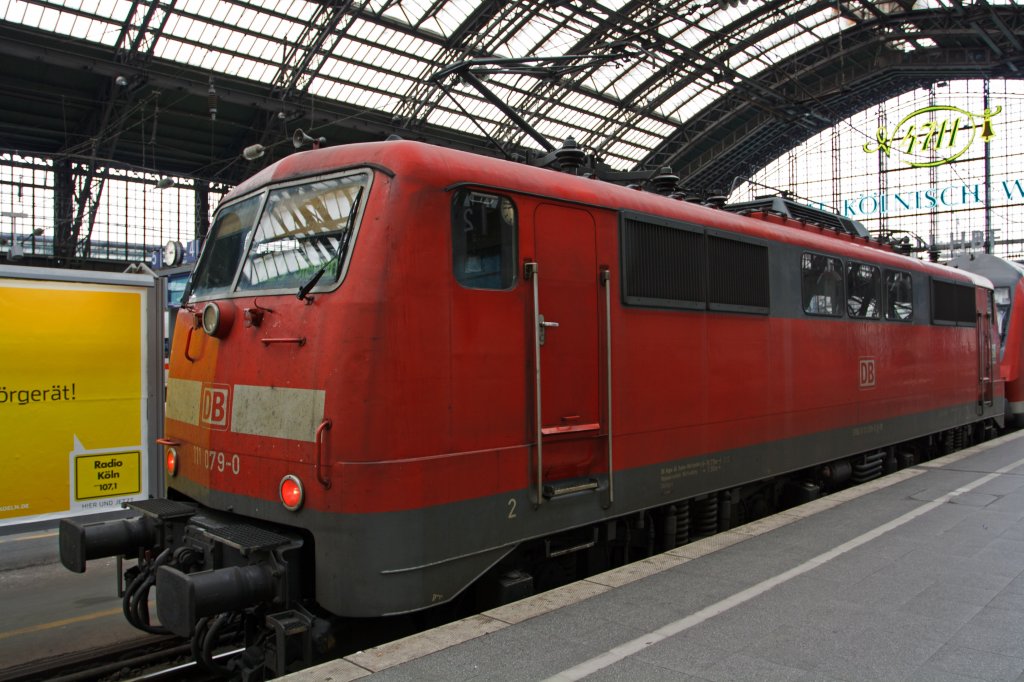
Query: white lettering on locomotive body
[(868, 377), (216, 460)]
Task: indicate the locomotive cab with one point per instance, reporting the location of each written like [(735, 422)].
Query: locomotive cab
[(245, 431)]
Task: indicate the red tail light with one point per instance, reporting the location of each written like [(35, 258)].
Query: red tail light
[(291, 492), (172, 462)]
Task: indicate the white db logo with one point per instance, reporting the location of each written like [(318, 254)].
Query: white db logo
[(215, 406)]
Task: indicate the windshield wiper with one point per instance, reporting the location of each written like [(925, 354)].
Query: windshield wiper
[(342, 247)]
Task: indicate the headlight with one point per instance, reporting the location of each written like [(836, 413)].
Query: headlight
[(217, 320)]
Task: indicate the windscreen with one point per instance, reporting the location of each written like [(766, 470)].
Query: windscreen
[(229, 234), (302, 229)]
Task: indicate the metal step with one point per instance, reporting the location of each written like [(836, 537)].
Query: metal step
[(162, 508), (247, 538), (569, 486)]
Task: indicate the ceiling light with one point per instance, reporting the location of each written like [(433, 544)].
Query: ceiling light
[(253, 152)]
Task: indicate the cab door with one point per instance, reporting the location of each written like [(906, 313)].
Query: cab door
[(566, 290)]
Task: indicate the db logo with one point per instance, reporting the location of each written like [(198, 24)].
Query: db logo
[(215, 406), (867, 373)]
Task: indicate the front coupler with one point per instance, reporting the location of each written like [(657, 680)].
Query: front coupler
[(160, 521), (202, 564)]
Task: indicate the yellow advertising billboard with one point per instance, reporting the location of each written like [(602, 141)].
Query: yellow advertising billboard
[(73, 397)]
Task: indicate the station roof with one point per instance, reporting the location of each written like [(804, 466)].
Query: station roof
[(713, 89)]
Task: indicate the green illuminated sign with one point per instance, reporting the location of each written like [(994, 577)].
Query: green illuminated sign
[(941, 129)]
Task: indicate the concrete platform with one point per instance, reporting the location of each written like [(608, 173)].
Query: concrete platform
[(916, 576)]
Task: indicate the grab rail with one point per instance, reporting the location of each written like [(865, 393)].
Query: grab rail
[(325, 425), (606, 279), (188, 345), (530, 272)]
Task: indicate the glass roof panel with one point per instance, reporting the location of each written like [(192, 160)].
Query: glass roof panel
[(326, 89), (195, 6), (380, 51), (33, 16), (423, 14), (459, 122), (786, 40), (636, 139), (408, 13), (526, 41), (387, 45), (722, 17), (254, 70), (219, 12), (684, 32), (451, 15), (621, 77), (234, 14), (694, 98), (621, 156), (114, 9), (172, 25), (558, 35)]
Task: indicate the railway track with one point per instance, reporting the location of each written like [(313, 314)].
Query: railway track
[(164, 658)]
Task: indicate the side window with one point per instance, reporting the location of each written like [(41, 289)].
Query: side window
[(1002, 302), (483, 240), (821, 284), (899, 296), (863, 291)]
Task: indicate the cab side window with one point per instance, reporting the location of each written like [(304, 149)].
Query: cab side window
[(899, 296), (484, 238), (863, 291), (821, 284)]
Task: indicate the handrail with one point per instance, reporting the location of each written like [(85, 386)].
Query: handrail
[(325, 425), (188, 344), (298, 340), (606, 278), (530, 272)]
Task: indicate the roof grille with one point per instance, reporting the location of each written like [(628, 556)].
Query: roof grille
[(807, 214)]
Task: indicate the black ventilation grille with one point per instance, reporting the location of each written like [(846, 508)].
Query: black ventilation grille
[(953, 303), (663, 266), (737, 275), (680, 265)]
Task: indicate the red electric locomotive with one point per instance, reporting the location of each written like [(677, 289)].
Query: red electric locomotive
[(403, 371), (1008, 279)]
